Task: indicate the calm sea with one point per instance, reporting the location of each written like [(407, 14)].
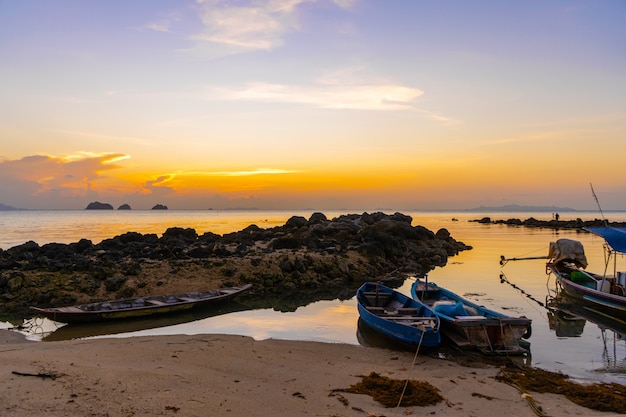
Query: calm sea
[(582, 349)]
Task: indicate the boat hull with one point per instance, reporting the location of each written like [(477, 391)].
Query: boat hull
[(471, 326), (382, 309), (611, 305), (139, 307)]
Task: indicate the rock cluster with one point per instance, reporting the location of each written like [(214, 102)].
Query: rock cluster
[(302, 261), (553, 224)]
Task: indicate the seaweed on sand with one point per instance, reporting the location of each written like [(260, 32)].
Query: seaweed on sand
[(599, 396), (388, 391)]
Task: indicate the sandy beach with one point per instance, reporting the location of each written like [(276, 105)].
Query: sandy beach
[(230, 375)]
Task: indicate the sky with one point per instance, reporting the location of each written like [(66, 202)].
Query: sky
[(313, 104)]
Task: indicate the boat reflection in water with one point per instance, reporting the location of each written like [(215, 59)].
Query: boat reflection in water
[(568, 316), (47, 330)]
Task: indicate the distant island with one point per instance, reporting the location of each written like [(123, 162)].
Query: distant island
[(6, 207), (96, 205), (159, 207), (124, 207), (518, 208)]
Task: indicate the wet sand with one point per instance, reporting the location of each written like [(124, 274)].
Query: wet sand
[(230, 375)]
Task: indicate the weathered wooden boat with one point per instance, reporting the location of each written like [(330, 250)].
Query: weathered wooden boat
[(113, 327), (397, 316), (471, 326), (139, 307), (606, 292)]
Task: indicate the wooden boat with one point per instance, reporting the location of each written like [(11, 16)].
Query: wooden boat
[(397, 317), (471, 326), (113, 327), (606, 292), (139, 307)]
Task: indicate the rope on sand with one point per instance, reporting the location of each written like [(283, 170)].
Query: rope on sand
[(529, 398), (406, 383)]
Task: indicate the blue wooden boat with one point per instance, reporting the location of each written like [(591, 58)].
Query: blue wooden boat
[(606, 292), (471, 326), (397, 316)]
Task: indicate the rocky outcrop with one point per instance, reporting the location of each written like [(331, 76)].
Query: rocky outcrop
[(96, 205), (302, 261), (552, 224), (159, 207), (124, 207)]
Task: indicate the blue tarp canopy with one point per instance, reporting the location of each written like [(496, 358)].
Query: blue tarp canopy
[(614, 236)]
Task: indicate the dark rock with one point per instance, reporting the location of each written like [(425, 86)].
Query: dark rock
[(81, 246), (114, 283), (200, 251), (317, 218), (188, 234), (300, 262), (159, 207), (124, 207), (286, 243), (296, 221)]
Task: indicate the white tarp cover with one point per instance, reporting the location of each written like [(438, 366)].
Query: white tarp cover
[(568, 249)]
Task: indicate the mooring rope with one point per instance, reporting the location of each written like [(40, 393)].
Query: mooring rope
[(406, 383), (503, 279), (536, 408)]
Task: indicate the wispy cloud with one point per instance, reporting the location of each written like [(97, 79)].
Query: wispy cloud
[(357, 97), (260, 171), (250, 25), (162, 26)]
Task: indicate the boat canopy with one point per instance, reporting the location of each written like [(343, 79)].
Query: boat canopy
[(568, 250), (614, 236)]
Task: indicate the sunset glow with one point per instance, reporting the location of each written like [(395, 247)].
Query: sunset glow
[(312, 104)]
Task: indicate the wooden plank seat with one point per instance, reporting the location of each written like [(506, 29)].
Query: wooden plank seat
[(409, 318), (188, 299), (70, 309), (156, 302)]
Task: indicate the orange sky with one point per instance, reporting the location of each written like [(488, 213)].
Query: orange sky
[(312, 104)]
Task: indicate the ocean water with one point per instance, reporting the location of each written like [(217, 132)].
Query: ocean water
[(594, 353)]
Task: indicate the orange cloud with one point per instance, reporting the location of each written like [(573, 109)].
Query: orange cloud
[(51, 176)]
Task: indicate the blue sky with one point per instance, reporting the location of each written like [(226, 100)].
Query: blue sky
[(312, 104)]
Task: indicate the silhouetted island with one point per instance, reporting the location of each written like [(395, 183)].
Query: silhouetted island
[(7, 207), (124, 207), (96, 205), (159, 207)]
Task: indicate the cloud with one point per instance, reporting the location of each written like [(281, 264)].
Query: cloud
[(44, 176), (249, 25), (387, 96), (159, 26), (260, 171)]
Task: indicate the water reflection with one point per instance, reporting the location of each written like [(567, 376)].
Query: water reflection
[(474, 274), (568, 317), (46, 330)]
